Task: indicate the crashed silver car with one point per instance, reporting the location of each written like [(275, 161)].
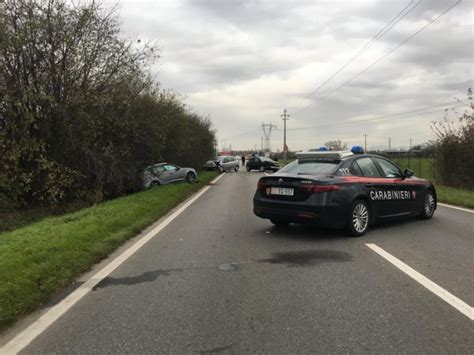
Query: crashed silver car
[(223, 163), (165, 173)]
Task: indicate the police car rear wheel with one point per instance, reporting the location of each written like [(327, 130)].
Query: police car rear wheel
[(359, 218), (428, 205)]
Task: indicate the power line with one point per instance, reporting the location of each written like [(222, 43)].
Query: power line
[(398, 17), (384, 117), (393, 49), (410, 114), (379, 118)]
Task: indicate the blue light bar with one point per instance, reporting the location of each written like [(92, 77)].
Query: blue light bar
[(357, 149), (323, 149)]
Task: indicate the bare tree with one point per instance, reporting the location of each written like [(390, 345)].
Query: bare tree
[(336, 145)]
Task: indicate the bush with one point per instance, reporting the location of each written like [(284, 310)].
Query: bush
[(80, 117), (6, 204), (455, 149)]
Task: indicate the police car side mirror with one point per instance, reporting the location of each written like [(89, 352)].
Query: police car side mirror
[(407, 173)]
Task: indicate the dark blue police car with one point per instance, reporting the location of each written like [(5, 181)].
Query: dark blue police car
[(342, 189)]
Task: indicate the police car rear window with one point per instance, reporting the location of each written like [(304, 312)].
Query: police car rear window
[(311, 166), (368, 167)]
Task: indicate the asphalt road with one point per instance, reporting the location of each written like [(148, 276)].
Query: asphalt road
[(220, 280)]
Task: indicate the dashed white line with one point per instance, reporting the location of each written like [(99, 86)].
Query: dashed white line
[(446, 296), (455, 207), (21, 340)]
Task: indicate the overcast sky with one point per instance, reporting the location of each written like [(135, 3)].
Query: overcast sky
[(242, 62)]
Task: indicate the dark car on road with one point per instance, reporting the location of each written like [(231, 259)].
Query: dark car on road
[(165, 173), (342, 190), (262, 164)]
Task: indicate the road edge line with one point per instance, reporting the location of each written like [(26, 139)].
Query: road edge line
[(27, 335), (445, 295), (455, 207)]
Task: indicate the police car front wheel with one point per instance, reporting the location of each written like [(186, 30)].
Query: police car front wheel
[(428, 205), (359, 218)]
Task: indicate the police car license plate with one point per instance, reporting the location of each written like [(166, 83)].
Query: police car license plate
[(286, 191)]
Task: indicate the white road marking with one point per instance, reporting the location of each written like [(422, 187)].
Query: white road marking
[(455, 207), (446, 296), (21, 340)]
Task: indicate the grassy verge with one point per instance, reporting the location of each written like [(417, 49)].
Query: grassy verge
[(38, 260), (454, 196), (10, 220)]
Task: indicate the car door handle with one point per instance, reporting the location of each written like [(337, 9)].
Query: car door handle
[(369, 185)]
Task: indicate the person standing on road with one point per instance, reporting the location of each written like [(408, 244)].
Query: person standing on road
[(243, 160)]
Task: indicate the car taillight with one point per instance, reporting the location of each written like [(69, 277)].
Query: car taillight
[(260, 184), (319, 188)]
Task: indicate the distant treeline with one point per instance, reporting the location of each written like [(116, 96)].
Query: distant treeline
[(80, 116)]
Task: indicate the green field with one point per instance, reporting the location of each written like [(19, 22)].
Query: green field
[(38, 260), (422, 167)]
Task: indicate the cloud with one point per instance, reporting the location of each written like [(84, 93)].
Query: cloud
[(242, 62)]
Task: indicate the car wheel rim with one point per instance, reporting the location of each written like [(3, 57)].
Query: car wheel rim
[(429, 204), (360, 218), (191, 177)]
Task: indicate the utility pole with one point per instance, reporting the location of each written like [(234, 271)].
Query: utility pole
[(389, 143), (410, 144), (261, 144), (267, 131), (285, 118), (365, 142)]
